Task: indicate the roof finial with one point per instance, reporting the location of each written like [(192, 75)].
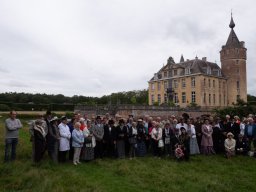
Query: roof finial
[(232, 23), (182, 58)]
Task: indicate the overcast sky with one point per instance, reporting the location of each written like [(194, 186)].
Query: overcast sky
[(97, 47)]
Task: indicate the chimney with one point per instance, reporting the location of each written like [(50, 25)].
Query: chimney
[(204, 58), (242, 43)]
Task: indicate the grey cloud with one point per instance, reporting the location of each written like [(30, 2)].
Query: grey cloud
[(188, 30), (16, 83)]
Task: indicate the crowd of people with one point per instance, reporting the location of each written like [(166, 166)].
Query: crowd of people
[(82, 139)]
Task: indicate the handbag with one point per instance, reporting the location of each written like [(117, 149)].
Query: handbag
[(167, 140), (132, 140), (88, 139), (160, 143)]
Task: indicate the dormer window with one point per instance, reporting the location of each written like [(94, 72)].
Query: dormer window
[(187, 71), (219, 72), (165, 74), (209, 71), (155, 76)]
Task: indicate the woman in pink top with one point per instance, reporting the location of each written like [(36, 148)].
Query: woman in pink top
[(206, 142)]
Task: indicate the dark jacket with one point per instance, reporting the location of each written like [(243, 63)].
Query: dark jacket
[(253, 131), (121, 132)]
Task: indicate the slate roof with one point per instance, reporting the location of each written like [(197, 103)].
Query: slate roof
[(196, 66), (233, 40)]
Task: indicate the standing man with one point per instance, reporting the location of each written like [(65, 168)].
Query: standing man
[(98, 132), (250, 133), (65, 136), (12, 126)]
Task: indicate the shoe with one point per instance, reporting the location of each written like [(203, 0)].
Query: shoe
[(75, 163)]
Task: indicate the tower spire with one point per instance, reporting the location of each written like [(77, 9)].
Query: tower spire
[(232, 23)]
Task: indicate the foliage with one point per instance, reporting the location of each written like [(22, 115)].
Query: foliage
[(156, 103), (43, 102), (171, 104), (194, 105), (4, 107), (251, 100), (69, 115), (241, 109), (201, 173)]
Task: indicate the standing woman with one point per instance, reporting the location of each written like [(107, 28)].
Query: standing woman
[(89, 143), (207, 143), (65, 136), (54, 137), (77, 142), (132, 139), (121, 133), (40, 140), (167, 135), (193, 145), (158, 144), (141, 146)]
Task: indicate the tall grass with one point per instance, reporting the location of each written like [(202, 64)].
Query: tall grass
[(201, 173)]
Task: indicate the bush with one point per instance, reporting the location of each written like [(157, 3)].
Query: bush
[(4, 107)]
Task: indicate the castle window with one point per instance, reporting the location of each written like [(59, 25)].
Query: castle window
[(237, 97), (165, 85), (209, 82), (193, 96), (152, 99), (175, 72), (183, 97), (204, 97), (183, 83), (237, 62), (220, 99), (219, 84), (219, 73), (193, 81), (213, 83), (213, 99), (175, 83), (158, 86), (237, 71), (165, 98), (153, 86), (204, 82), (224, 99), (176, 100), (209, 71), (187, 71), (165, 74), (159, 99), (209, 98), (237, 84)]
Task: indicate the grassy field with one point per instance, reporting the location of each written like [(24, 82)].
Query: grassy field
[(201, 173)]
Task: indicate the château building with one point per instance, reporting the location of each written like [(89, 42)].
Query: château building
[(201, 82)]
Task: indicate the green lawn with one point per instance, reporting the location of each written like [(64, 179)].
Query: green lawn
[(201, 173)]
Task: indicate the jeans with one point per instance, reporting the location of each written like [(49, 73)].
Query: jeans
[(10, 144)]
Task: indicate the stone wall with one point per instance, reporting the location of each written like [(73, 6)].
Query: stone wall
[(141, 111)]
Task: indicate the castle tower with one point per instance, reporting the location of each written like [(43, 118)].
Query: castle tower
[(233, 65)]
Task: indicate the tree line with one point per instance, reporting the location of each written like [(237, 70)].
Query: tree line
[(28, 101)]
